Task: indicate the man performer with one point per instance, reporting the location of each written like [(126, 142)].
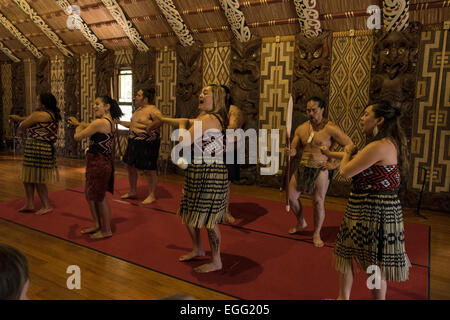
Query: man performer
[(143, 147), (315, 169)]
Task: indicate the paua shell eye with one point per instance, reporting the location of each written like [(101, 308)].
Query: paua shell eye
[(386, 52), (401, 50), (302, 54), (316, 54), (254, 55), (235, 57)]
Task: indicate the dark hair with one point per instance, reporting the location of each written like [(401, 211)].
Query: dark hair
[(228, 98), (319, 100), (149, 94), (392, 129), (219, 107), (13, 272), (48, 100), (114, 109)]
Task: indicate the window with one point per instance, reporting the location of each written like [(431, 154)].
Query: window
[(125, 95)]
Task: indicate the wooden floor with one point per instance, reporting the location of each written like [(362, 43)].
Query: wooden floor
[(105, 277)]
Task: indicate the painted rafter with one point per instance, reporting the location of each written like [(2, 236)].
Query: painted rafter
[(236, 19), (396, 14), (176, 22), (84, 28), (22, 4), (8, 52), (118, 14), (19, 36), (308, 17)]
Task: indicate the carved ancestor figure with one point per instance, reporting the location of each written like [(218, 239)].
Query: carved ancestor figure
[(143, 69), (43, 75), (189, 80), (394, 65), (71, 105), (245, 77), (18, 93), (104, 71), (312, 65)]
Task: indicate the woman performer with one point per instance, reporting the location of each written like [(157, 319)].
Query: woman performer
[(39, 160), (372, 231), (99, 163), (204, 201)]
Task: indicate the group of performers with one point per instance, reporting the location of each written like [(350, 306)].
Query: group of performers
[(372, 230)]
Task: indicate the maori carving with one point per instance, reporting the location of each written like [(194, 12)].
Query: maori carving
[(244, 86), (395, 14), (43, 26), (43, 75), (394, 64), (189, 80), (104, 72), (72, 103), (308, 18), (84, 28), (18, 93), (176, 22), (236, 19), (312, 65), (1, 116), (19, 35), (8, 52), (143, 69), (118, 14)]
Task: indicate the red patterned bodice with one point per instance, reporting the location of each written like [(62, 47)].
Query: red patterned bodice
[(377, 177)]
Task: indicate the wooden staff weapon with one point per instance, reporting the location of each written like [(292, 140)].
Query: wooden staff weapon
[(288, 141)]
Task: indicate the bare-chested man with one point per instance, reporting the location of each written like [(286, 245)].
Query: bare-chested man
[(236, 120), (315, 169), (143, 148)]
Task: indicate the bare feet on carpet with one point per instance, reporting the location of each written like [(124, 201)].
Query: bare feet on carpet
[(129, 196), (43, 211), (209, 267), (317, 241), (298, 227), (90, 230), (100, 235), (193, 254), (151, 198), (26, 209)]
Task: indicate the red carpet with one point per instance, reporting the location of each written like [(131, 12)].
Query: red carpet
[(259, 261)]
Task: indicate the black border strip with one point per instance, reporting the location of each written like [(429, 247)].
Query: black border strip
[(122, 259), (429, 262)]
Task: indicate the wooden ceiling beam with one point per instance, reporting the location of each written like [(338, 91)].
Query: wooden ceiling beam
[(22, 4), (19, 36), (236, 19), (8, 52)]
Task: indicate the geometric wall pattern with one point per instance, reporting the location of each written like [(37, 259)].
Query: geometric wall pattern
[(57, 89), (216, 65), (87, 91), (165, 98), (430, 145), (277, 64), (6, 79), (349, 83)]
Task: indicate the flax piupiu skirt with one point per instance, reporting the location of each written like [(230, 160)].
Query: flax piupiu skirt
[(372, 233), (205, 195), (39, 162)]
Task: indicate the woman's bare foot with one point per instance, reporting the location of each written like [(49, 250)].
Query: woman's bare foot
[(298, 227), (129, 196), (26, 208), (229, 218), (101, 235), (317, 241), (193, 254), (149, 199), (43, 211), (209, 267), (90, 230)]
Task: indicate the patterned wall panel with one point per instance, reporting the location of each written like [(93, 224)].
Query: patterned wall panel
[(165, 100), (6, 83), (18, 83), (123, 58), (43, 75), (87, 90), (216, 65), (430, 143), (57, 89), (277, 63), (72, 90), (30, 84)]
